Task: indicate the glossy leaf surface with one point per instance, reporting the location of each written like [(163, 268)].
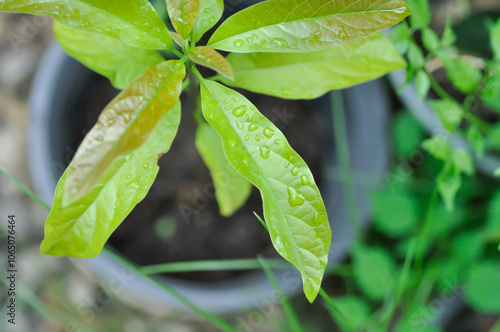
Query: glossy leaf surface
[(133, 22), (81, 228), (209, 14), (210, 58), (231, 189), (293, 208), (310, 75), (303, 26), (107, 56), (182, 14), (124, 125)]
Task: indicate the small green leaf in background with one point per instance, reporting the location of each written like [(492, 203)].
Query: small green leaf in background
[(308, 76), (209, 14), (107, 56), (417, 318), (430, 39), (497, 172), (463, 161), (82, 228), (449, 274), (354, 309), (374, 270), (443, 221), (407, 134), (490, 93), (476, 140), (449, 182), (449, 113), (422, 83), (231, 189), (415, 56), (133, 22), (271, 26), (467, 246), (395, 213), (182, 14), (463, 74), (400, 37), (124, 125), (495, 39), (437, 146), (448, 38), (482, 289), (421, 13), (210, 58), (293, 208), (492, 227)]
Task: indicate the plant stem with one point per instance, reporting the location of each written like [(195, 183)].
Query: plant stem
[(342, 147), (329, 301), (287, 307)]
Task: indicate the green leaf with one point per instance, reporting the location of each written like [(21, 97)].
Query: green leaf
[(492, 227), (430, 39), (495, 39), (374, 270), (476, 140), (302, 26), (449, 113), (81, 228), (395, 213), (448, 38), (421, 13), (133, 22), (231, 189), (449, 182), (437, 146), (210, 58), (467, 246), (422, 84), (183, 43), (482, 290), (463, 161), (497, 172), (400, 36), (463, 74), (407, 134), (107, 56), (124, 125), (182, 14), (308, 76), (443, 222), (354, 309), (293, 208), (209, 14), (415, 56)]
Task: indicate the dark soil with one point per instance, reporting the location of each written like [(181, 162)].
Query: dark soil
[(158, 231)]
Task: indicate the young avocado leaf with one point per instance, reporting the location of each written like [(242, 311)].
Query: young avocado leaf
[(210, 58), (183, 14), (107, 56), (209, 14), (299, 76), (133, 22), (293, 208), (81, 229), (231, 189), (123, 126), (303, 26)]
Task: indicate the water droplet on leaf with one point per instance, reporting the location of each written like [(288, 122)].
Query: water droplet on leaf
[(240, 110), (238, 43), (264, 151), (295, 198), (268, 132)]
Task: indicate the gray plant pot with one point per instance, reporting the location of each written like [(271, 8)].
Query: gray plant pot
[(60, 78)]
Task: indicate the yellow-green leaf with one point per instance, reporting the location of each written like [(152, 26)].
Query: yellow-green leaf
[(124, 125), (133, 22), (293, 208), (231, 189), (82, 228), (182, 14), (107, 56), (209, 14), (210, 58), (310, 75), (303, 25)]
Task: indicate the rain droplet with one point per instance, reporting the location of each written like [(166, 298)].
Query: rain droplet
[(231, 143), (253, 127), (317, 34), (238, 43), (264, 151), (247, 137), (250, 118), (295, 198), (295, 171), (239, 124), (122, 177), (254, 36), (277, 142), (145, 165), (208, 10), (99, 138), (280, 42), (240, 110), (268, 132), (249, 39), (108, 28), (304, 180), (257, 138), (286, 91), (210, 115), (287, 164), (129, 176)]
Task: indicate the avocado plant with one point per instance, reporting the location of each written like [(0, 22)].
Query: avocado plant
[(292, 49)]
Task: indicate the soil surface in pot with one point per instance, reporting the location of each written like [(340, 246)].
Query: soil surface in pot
[(179, 219)]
